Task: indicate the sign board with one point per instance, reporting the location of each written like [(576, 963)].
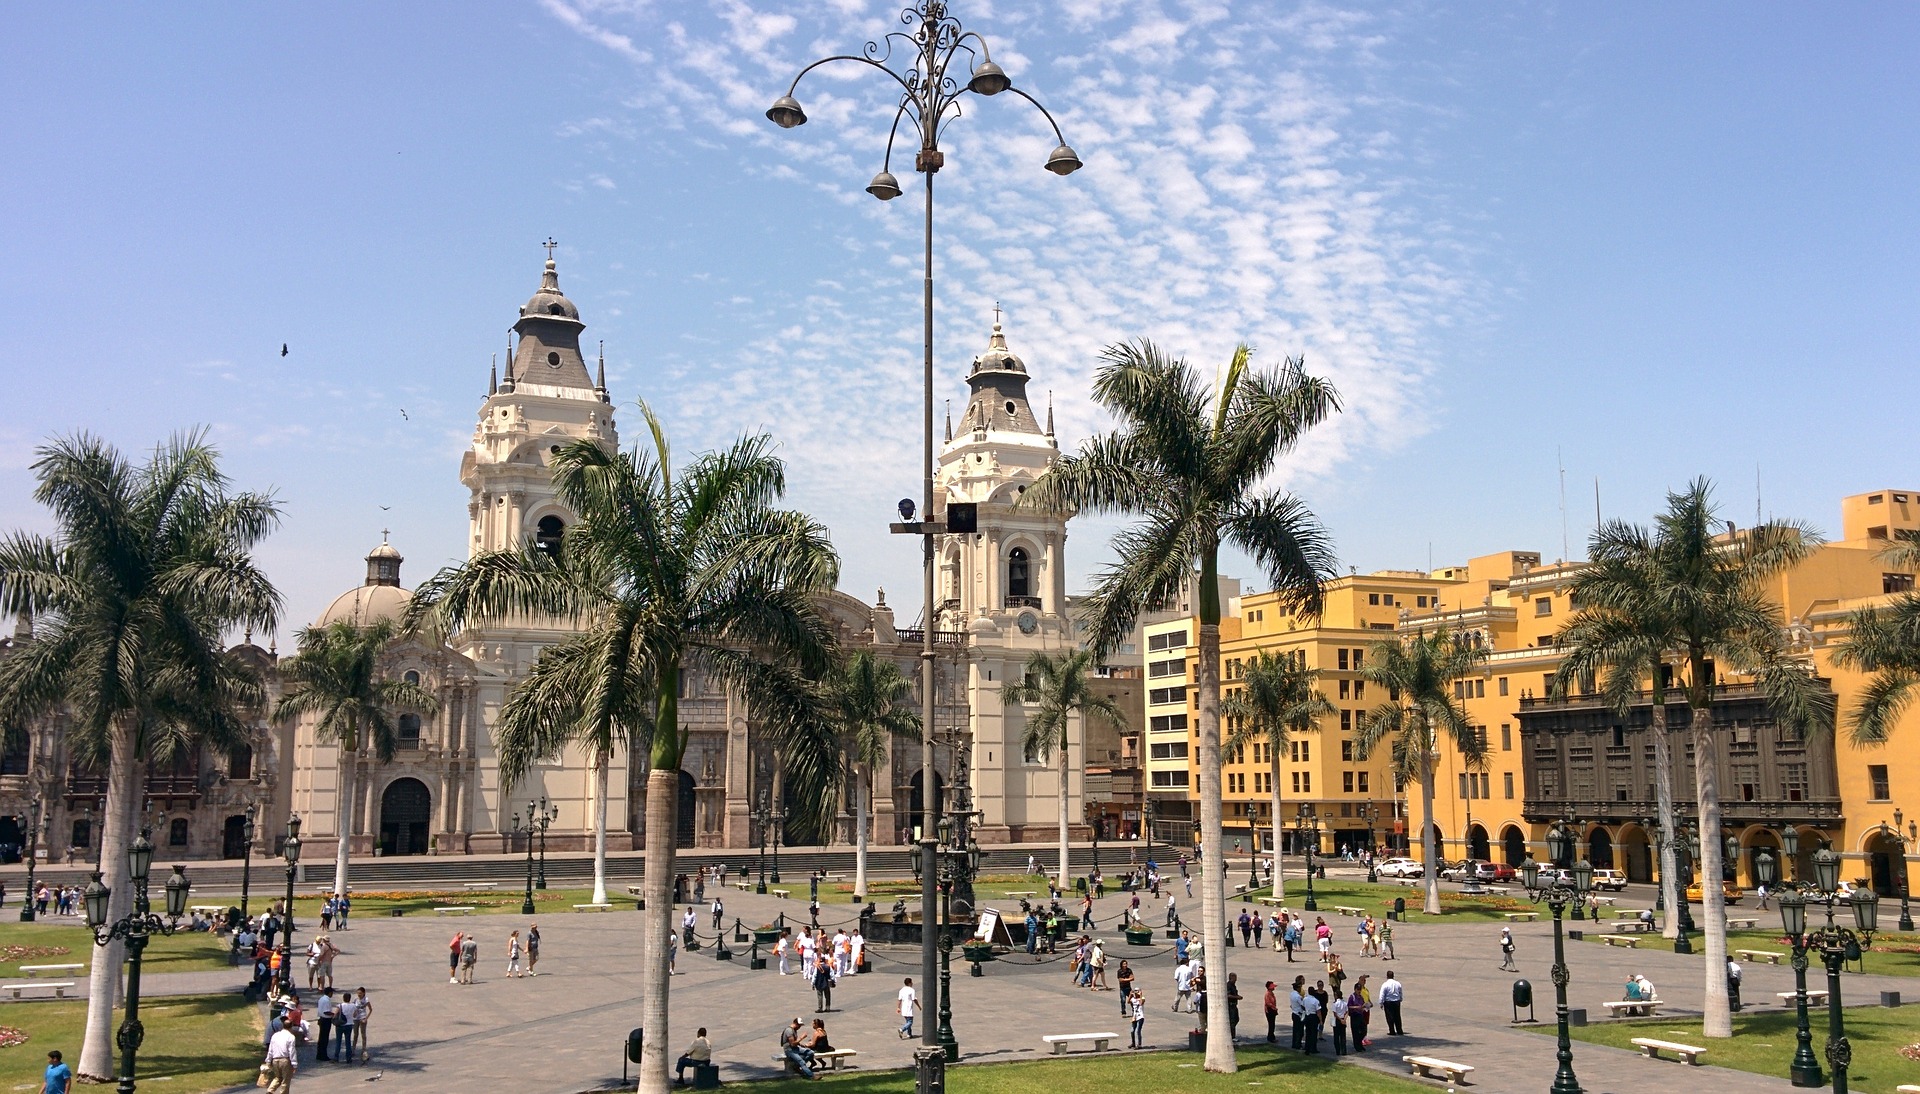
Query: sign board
[(993, 929)]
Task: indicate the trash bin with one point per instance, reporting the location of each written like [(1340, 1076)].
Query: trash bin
[(634, 1040), (1080, 885), (1522, 994), (1400, 909)]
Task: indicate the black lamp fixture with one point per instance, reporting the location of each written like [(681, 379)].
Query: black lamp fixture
[(248, 830), (292, 854), (1837, 944), (135, 928), (1568, 883), (1903, 839)]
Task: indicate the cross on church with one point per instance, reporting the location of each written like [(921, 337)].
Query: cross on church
[(996, 313), (383, 535), (550, 245)]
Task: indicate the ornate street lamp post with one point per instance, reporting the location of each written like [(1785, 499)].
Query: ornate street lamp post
[(1805, 1068), (763, 818), (957, 864), (527, 830), (930, 94), (1372, 813), (1837, 945), (1309, 819), (293, 865), (247, 833), (33, 857), (136, 927), (779, 822), (1572, 828), (1559, 891), (548, 813), (1906, 839)]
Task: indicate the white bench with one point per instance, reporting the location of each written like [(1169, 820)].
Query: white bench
[(1060, 1041), (1815, 997), (1623, 925), (1603, 901), (1633, 1008), (58, 987), (209, 909), (593, 907), (1907, 1088), (1518, 917), (1022, 892), (1771, 957), (1272, 901), (781, 893), (480, 885), (455, 909), (1742, 923), (1344, 909), (834, 1057), (743, 886), (1432, 1067), (1626, 940), (1690, 1053), (33, 971)]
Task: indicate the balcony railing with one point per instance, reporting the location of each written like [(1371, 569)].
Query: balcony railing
[(914, 636), (1023, 602)]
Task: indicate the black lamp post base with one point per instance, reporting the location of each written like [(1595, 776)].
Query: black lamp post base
[(526, 907), (1809, 1077)]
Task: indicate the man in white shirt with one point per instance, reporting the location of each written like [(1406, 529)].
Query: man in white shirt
[(327, 1009), (1310, 1019), (904, 1008), (856, 949), (1339, 1010), (281, 1061), (1296, 1007), (1391, 992), (1183, 987)]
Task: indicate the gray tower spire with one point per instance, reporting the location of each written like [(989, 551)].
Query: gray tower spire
[(1049, 412), (949, 419), (600, 378), (493, 376)]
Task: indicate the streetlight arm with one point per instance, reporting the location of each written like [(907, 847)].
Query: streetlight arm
[(1057, 135), (868, 61)]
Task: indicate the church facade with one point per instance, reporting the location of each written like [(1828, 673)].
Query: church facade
[(1003, 598)]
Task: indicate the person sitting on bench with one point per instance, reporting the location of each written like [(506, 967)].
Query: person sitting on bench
[(697, 1055), (798, 1055), (815, 1039)]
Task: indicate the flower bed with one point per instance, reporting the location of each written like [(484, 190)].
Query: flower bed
[(9, 1037), (10, 954)]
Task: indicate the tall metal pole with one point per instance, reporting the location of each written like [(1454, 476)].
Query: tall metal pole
[(928, 162), (33, 859), (1563, 1078)]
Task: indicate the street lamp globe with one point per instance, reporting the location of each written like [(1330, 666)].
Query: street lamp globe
[(96, 899), (1790, 841), (1765, 870), (1793, 913), (140, 857), (177, 888), (1583, 877), (1063, 161), (786, 113), (1530, 873), (885, 187), (1560, 844), (989, 79), (1826, 869), (1866, 909)]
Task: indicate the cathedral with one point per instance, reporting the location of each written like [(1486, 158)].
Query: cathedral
[(1003, 592)]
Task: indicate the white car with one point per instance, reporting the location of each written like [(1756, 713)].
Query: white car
[(1400, 867)]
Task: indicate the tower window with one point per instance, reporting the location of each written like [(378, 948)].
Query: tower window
[(547, 538), (1019, 581), (408, 731), (555, 309), (1010, 408), (553, 360)]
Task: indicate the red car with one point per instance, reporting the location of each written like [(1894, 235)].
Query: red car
[(1497, 871)]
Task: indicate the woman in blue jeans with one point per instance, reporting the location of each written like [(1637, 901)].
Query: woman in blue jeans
[(1136, 1035)]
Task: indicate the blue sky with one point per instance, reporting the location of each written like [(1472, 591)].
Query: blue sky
[(1647, 241)]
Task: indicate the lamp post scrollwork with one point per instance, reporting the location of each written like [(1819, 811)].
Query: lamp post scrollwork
[(1837, 944), (1567, 883), (136, 928)]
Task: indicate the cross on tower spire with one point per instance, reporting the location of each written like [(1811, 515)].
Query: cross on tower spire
[(550, 245), (996, 313)]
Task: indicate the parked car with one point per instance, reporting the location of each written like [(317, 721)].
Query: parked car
[(1400, 867), (1611, 881), (1728, 890), (1462, 870), (1498, 871)]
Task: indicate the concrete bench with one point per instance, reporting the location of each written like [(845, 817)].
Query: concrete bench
[(1604, 901), (593, 907), (1626, 940), (209, 909), (1432, 1067), (455, 909), (1344, 909), (58, 987), (743, 886), (781, 893), (1522, 917), (1623, 925), (1771, 957), (1907, 1088), (834, 1057), (1690, 1053), (33, 971), (1022, 892), (1272, 901), (1060, 1041), (1633, 1008), (480, 885), (1742, 923), (1815, 997)]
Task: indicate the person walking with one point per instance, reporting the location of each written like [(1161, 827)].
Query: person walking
[(719, 910), (1137, 1013), (781, 949), (1506, 950), (59, 1077), (1124, 977), (513, 956), (469, 957), (1384, 950), (1359, 1011), (1290, 937), (1086, 911), (282, 1061), (533, 947), (1392, 992), (904, 1008), (1182, 987), (453, 959), (1097, 957), (822, 985)]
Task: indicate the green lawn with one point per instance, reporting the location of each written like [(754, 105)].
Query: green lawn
[(502, 901), (1763, 1042), (1378, 899), (1891, 955), (201, 1043), (183, 952), (1164, 1072)]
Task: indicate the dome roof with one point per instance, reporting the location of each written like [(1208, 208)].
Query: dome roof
[(549, 302), (998, 358), (385, 550), (364, 604)]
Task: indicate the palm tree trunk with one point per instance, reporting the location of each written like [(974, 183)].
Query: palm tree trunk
[(601, 763), (348, 797), (859, 833), (1279, 884), (1672, 891), (1065, 881), (1717, 1017), (1429, 846), (655, 924), (1213, 873), (103, 979)]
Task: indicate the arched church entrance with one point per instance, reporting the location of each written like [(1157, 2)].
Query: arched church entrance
[(1477, 843), (405, 810), (1513, 845), (233, 837), (1882, 855), (684, 809), (1600, 849)]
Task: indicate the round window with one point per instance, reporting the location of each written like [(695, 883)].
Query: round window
[(553, 360), (1009, 408)]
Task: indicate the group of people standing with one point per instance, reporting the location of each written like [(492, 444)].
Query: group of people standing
[(463, 954)]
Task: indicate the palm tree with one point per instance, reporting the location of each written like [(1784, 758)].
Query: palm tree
[(335, 678), (1419, 718), (1192, 465), (1058, 687), (1277, 698), (146, 569), (1885, 641), (1698, 601), (869, 698), (660, 572)]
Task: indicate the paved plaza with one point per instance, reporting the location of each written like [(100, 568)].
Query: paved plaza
[(570, 1022)]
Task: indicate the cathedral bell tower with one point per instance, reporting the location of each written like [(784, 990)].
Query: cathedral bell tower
[(1005, 585)]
